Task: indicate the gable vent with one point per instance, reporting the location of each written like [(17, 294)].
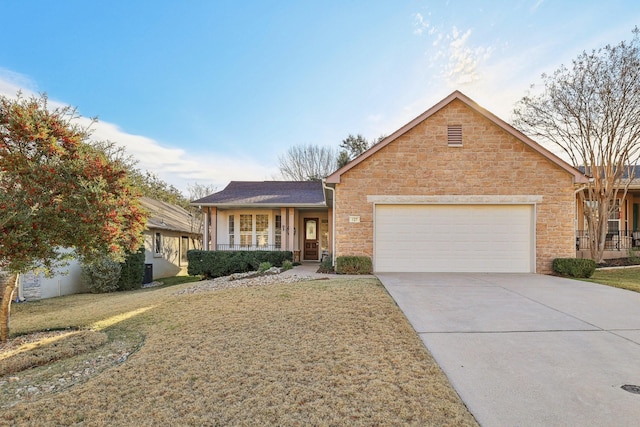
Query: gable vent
[(454, 135)]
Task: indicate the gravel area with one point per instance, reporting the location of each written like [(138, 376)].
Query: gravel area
[(244, 280)]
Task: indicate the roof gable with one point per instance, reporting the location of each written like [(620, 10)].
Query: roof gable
[(267, 193), (457, 95)]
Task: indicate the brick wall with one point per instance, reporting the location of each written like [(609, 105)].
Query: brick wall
[(490, 162)]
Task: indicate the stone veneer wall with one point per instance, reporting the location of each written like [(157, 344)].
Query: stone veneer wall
[(31, 286), (490, 162)]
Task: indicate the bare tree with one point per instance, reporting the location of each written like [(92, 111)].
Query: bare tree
[(198, 191), (592, 112), (307, 163)]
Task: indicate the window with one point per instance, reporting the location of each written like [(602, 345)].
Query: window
[(278, 232), (184, 247), (262, 230), (246, 230), (614, 219), (454, 135), (324, 234), (157, 245), (232, 231)]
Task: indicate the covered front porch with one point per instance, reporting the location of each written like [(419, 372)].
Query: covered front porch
[(305, 232), (271, 215), (623, 228)]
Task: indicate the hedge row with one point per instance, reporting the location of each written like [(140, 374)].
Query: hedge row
[(212, 264), (574, 267), (132, 271), (354, 265), (102, 274)]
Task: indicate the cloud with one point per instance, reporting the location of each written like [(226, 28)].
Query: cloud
[(11, 83), (173, 165), (537, 4), (178, 167), (464, 59), (454, 53), (419, 24)]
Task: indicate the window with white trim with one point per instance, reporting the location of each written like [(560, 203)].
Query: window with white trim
[(232, 230), (278, 232), (262, 230), (246, 229)]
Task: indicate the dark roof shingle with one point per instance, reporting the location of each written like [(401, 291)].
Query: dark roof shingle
[(267, 193)]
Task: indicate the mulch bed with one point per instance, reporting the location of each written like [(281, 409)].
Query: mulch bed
[(618, 262)]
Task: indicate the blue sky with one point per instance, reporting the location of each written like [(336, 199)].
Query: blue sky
[(213, 91)]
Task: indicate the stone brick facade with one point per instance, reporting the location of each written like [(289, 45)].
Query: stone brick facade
[(491, 161)]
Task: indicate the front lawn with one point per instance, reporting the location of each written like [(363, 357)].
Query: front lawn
[(626, 278), (326, 352)]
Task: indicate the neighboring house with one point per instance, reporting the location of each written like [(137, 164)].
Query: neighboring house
[(167, 237), (34, 286), (623, 231), (269, 215), (171, 231), (455, 190)]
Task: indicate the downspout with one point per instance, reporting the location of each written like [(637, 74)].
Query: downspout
[(333, 221)]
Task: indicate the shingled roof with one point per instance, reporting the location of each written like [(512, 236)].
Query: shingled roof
[(267, 194), (165, 216)]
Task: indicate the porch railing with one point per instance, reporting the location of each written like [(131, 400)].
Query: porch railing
[(222, 247), (614, 241)]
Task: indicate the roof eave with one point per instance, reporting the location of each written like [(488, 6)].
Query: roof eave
[(260, 205)]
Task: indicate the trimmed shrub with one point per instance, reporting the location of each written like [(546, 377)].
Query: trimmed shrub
[(264, 266), (212, 264), (354, 265), (326, 266), (574, 267), (132, 271), (287, 265), (100, 275)]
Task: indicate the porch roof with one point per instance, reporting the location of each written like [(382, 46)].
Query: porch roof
[(267, 194)]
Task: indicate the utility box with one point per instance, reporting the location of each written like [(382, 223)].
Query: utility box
[(148, 273)]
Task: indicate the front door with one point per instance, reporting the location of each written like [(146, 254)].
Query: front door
[(311, 239)]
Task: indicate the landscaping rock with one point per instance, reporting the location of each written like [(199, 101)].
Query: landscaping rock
[(243, 280)]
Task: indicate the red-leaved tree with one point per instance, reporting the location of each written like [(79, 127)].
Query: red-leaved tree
[(57, 191)]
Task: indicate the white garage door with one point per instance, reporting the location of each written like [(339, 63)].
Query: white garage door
[(454, 238)]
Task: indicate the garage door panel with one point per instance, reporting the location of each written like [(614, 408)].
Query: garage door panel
[(458, 238)]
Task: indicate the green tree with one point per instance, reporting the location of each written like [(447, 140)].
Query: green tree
[(150, 185), (591, 111), (352, 146), (58, 191)]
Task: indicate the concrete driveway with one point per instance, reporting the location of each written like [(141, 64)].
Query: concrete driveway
[(527, 349)]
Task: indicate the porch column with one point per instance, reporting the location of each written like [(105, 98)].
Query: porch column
[(205, 233), (214, 228), (283, 229), (292, 226)]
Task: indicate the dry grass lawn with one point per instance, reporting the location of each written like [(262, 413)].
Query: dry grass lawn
[(326, 352)]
